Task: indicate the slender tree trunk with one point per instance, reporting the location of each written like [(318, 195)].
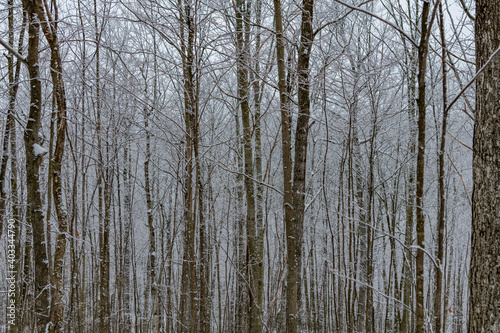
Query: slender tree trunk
[(291, 290), (103, 194), (204, 271), (484, 303), (127, 242), (188, 298), (421, 104), (299, 171), (240, 241), (438, 295), (407, 282), (10, 140), (151, 271), (256, 85), (243, 63)]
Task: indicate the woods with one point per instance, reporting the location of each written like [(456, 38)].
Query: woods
[(250, 166)]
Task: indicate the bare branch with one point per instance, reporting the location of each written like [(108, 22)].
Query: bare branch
[(466, 10), (474, 78), (392, 25), (12, 51)]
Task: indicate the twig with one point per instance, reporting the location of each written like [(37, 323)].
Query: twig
[(392, 25)]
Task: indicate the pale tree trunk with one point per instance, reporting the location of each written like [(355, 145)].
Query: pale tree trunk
[(407, 271), (35, 216), (10, 140), (256, 85), (484, 303), (151, 269)]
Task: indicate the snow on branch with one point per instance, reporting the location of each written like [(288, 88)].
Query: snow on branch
[(11, 50)]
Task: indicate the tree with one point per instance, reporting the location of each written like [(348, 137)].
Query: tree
[(242, 10), (423, 50), (484, 306), (49, 28), (34, 155), (300, 167), (438, 297)]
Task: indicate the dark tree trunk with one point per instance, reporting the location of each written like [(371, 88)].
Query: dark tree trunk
[(189, 294), (35, 216), (291, 303), (299, 171), (484, 304), (421, 104), (438, 297)]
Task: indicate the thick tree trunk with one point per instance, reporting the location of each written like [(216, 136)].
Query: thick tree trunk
[(34, 212), (484, 304), (49, 28)]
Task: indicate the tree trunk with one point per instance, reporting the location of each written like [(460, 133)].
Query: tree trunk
[(49, 28), (253, 309), (35, 216), (10, 140), (291, 294), (438, 295), (188, 297), (299, 171), (421, 104), (406, 320), (256, 84), (484, 303), (151, 269)]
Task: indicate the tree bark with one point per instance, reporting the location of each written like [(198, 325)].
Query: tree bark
[(243, 63), (34, 214), (484, 303), (421, 104), (438, 295), (299, 171), (291, 304), (188, 297), (49, 28)]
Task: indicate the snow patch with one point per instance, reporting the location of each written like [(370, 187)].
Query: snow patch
[(39, 150)]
